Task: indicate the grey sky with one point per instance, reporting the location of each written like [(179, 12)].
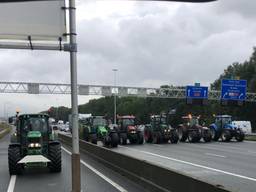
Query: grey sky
[(151, 43)]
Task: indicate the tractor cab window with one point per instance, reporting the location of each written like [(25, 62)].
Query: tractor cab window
[(127, 122), (194, 121), (163, 120), (99, 122), (35, 124), (226, 120)]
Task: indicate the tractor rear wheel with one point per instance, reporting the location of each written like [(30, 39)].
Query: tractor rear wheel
[(114, 139), (239, 136), (226, 136), (93, 138), (54, 155), (13, 158), (174, 137), (123, 138), (148, 135), (140, 138), (207, 137)]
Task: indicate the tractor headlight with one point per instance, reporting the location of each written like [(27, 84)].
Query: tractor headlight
[(34, 145), (165, 130)]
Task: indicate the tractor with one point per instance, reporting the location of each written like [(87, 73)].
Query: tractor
[(33, 145), (128, 130), (192, 131), (95, 128), (223, 128), (159, 131)]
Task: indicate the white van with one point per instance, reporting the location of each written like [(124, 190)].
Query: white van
[(244, 125)]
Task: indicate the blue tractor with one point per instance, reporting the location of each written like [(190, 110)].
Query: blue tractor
[(224, 129)]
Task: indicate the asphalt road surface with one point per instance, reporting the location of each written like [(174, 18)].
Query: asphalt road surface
[(94, 176), (232, 165)]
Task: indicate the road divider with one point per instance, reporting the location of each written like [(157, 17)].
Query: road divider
[(153, 177)]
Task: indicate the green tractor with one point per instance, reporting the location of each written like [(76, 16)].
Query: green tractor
[(158, 131), (33, 145), (96, 129)]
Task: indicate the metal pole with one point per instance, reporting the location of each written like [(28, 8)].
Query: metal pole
[(76, 175), (115, 70)]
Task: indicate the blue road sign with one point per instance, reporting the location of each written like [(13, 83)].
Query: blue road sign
[(233, 89), (195, 92)]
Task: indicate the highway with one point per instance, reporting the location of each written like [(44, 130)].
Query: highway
[(231, 165), (94, 176)]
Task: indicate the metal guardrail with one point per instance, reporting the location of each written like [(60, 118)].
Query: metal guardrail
[(102, 90)]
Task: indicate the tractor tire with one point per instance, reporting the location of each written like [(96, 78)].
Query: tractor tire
[(54, 155), (193, 137), (183, 135), (86, 134), (13, 158), (94, 138), (140, 138), (207, 137), (226, 136), (174, 137), (123, 138), (215, 134), (148, 135), (114, 140), (107, 141), (240, 136)]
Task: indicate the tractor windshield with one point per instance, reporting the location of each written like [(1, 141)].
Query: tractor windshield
[(127, 122), (160, 120), (226, 120), (35, 124), (99, 122), (194, 121)]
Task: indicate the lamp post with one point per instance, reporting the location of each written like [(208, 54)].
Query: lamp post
[(114, 70)]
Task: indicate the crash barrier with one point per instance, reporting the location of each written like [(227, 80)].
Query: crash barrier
[(4, 132), (152, 177)]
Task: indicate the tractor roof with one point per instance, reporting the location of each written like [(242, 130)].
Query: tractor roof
[(126, 117), (223, 116), (33, 115)]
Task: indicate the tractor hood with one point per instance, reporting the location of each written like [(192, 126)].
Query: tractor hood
[(131, 128), (102, 129), (34, 134), (230, 126)]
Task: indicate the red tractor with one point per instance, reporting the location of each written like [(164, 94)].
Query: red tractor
[(128, 130)]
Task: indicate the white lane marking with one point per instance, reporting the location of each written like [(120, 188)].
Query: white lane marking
[(193, 164), (12, 183), (114, 184), (215, 155)]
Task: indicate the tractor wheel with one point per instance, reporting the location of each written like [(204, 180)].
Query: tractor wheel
[(192, 137), (182, 134), (174, 137), (94, 138), (239, 136), (54, 155), (123, 138), (140, 138), (226, 136), (215, 135), (114, 139), (106, 141), (207, 137), (86, 134), (13, 158), (148, 135)]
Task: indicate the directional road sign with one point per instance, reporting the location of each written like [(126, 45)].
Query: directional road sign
[(233, 89), (196, 92)]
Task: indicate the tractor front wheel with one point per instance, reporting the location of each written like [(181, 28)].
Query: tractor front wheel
[(226, 136), (114, 139), (207, 137), (54, 155), (193, 137), (13, 158), (240, 136), (215, 135), (174, 137)]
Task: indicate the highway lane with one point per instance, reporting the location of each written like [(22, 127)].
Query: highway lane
[(4, 174), (231, 165), (95, 177)]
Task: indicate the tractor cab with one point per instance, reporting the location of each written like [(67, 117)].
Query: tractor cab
[(191, 120), (100, 124), (224, 121), (127, 123), (159, 122)]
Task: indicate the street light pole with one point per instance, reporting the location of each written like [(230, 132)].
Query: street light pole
[(76, 175), (114, 70)]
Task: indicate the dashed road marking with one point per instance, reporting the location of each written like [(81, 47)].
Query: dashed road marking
[(215, 155), (12, 182)]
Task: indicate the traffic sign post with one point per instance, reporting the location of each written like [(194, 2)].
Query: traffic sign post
[(196, 95), (233, 91)]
